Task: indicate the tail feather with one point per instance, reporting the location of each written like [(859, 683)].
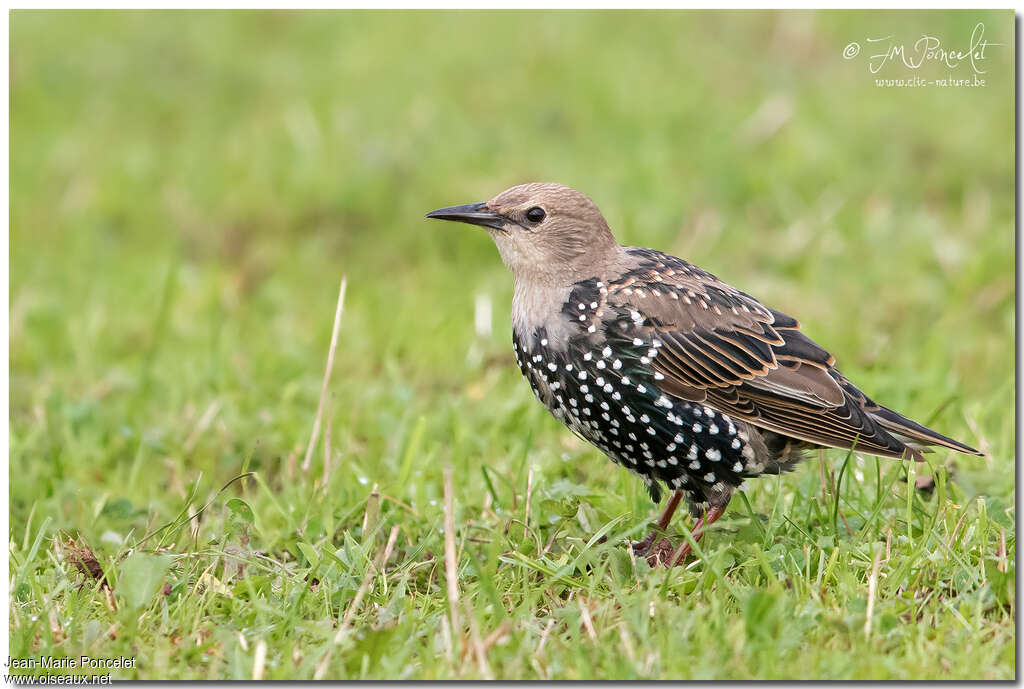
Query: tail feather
[(914, 434)]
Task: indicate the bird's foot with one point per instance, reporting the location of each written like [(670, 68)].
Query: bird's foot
[(664, 554), (641, 547), (660, 553)]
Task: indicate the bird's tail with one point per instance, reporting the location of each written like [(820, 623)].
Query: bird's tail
[(914, 435)]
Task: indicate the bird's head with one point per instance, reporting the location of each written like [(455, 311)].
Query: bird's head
[(545, 232)]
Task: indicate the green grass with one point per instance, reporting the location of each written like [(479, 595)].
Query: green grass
[(186, 192)]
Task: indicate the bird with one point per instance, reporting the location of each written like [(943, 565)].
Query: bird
[(681, 378)]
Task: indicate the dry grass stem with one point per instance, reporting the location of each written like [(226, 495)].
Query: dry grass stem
[(872, 587), (327, 374), (477, 643), (450, 567), (372, 511), (543, 638), (259, 659), (588, 623)]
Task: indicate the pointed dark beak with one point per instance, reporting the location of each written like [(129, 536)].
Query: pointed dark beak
[(472, 213)]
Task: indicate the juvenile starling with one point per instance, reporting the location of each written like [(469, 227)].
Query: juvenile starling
[(677, 376)]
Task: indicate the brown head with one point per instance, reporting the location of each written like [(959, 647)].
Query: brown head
[(545, 232)]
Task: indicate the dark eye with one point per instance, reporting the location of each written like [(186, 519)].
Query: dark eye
[(535, 214)]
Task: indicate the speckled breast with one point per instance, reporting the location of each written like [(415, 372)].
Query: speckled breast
[(600, 384)]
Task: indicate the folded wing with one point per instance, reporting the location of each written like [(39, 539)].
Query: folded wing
[(721, 347)]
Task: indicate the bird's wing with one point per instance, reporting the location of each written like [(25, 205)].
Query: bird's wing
[(721, 347)]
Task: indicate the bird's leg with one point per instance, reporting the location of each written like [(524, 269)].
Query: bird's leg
[(641, 547), (706, 520)]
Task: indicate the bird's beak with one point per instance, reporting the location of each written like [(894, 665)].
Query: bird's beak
[(472, 213)]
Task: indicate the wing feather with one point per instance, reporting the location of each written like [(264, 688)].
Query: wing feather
[(722, 347)]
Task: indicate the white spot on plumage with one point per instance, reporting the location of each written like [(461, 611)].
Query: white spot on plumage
[(606, 352), (737, 467), (713, 429), (697, 428), (735, 444), (692, 454), (713, 454), (709, 477)]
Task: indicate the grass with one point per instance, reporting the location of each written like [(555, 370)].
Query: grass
[(187, 190)]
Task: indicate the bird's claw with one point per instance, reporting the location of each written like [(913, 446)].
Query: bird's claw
[(658, 554)]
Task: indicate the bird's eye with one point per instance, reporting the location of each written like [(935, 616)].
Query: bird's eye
[(535, 214)]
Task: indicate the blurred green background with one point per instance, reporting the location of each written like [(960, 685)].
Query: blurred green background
[(187, 189)]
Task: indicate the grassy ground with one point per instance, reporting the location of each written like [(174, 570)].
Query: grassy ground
[(187, 191)]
